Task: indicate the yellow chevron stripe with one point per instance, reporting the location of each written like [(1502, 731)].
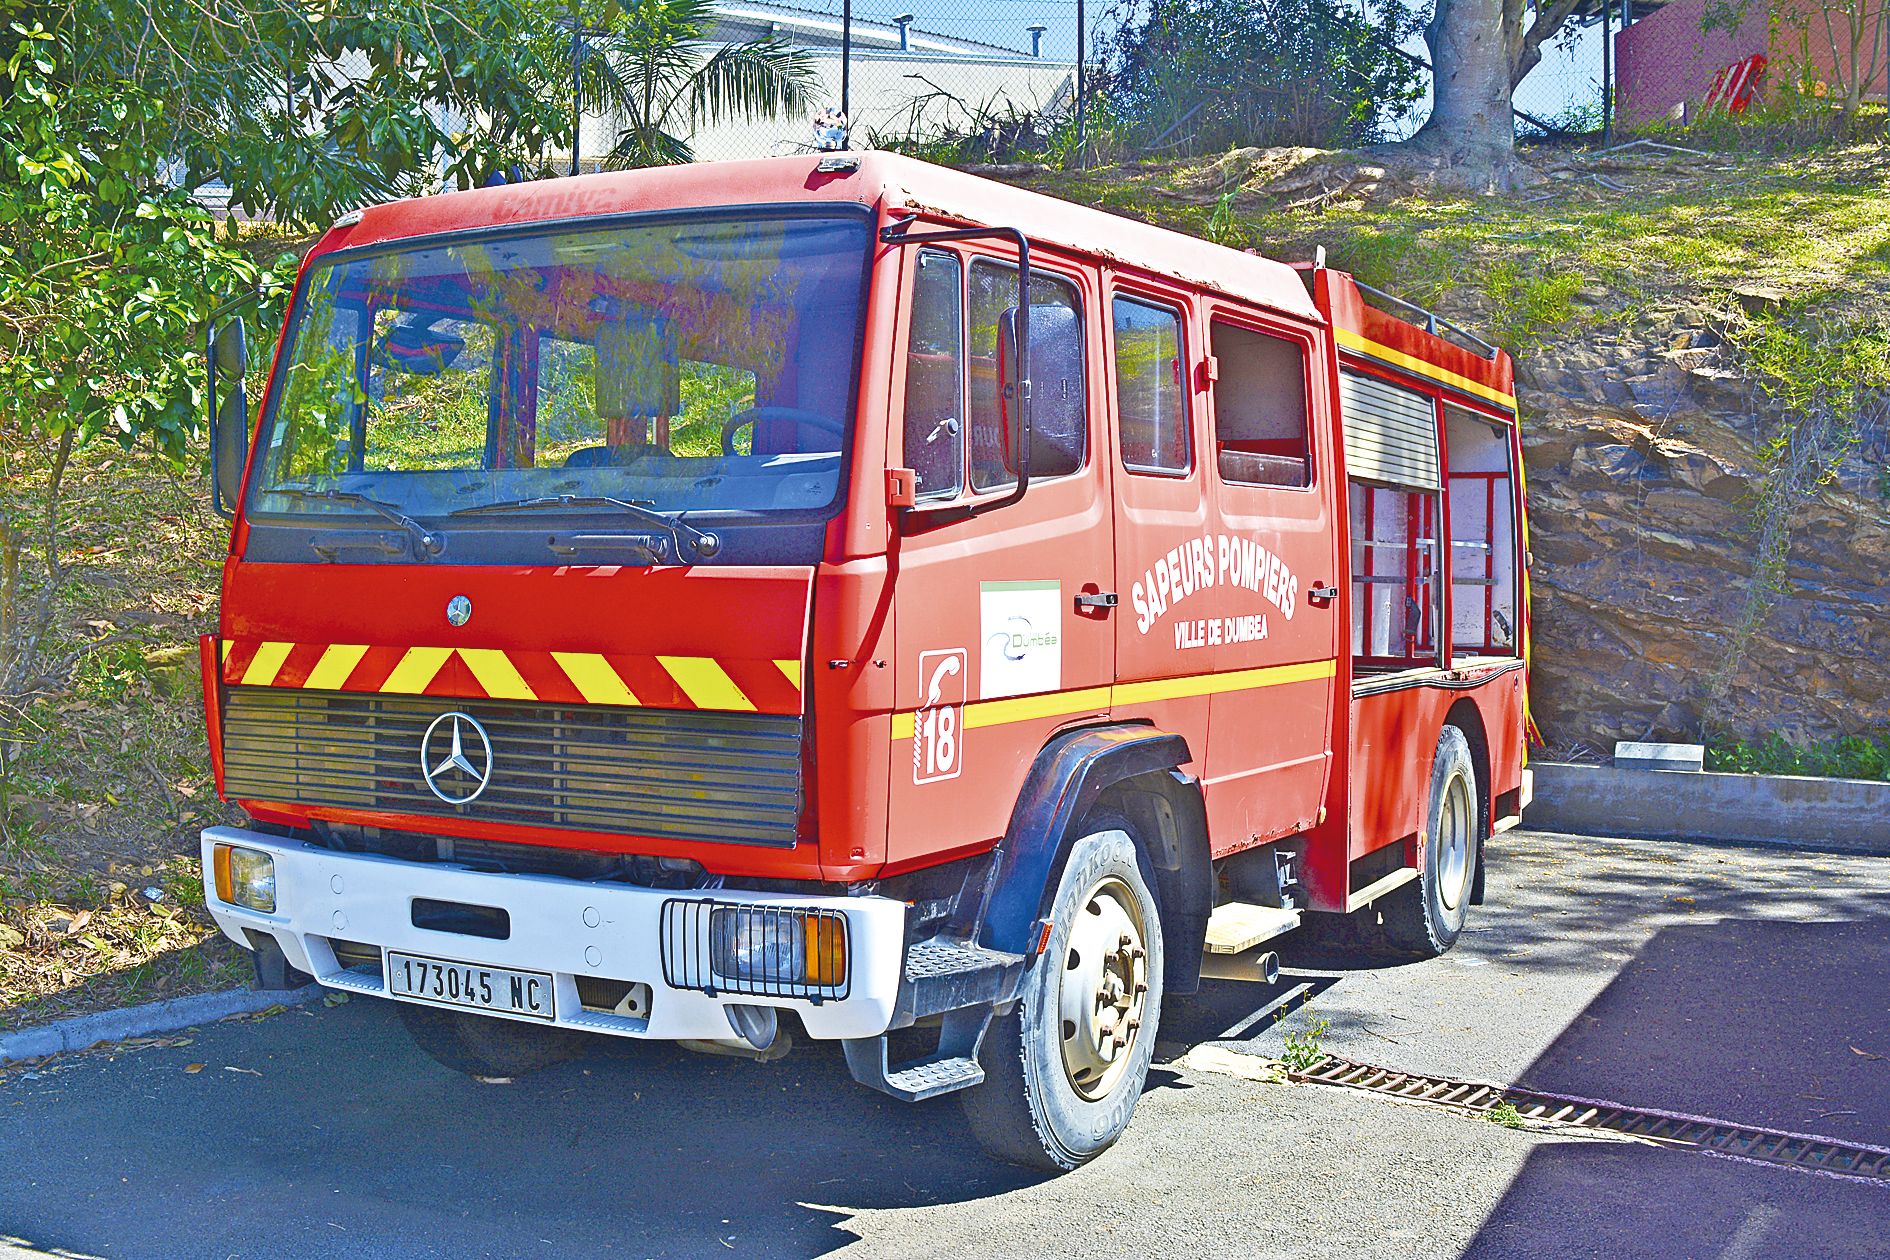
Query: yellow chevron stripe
[(595, 680), (497, 674), (1088, 699), (266, 664), (1397, 358), (338, 661), (416, 670), (792, 669), (226, 645), (706, 683)]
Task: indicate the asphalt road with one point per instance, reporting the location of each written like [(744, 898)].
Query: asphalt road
[(1744, 984)]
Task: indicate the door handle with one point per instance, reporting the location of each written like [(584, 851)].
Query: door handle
[(1097, 599), (1323, 594)]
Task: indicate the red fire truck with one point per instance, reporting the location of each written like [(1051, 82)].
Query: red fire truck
[(839, 597)]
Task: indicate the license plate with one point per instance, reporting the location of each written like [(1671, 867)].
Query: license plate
[(449, 983)]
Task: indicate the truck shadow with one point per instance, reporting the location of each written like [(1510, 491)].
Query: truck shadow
[(1774, 1023)]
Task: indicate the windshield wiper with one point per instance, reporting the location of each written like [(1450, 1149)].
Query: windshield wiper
[(430, 542), (705, 544)]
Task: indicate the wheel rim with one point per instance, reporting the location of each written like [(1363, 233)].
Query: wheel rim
[(1103, 988), (1453, 843)]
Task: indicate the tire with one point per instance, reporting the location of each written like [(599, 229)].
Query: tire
[(1425, 918), (485, 1047), (1051, 1102)]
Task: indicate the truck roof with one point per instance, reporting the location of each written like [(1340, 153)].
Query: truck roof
[(888, 179)]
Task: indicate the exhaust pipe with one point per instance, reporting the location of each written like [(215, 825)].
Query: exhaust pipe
[(1256, 966)]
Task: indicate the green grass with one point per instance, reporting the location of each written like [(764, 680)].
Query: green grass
[(1852, 757), (1811, 223)]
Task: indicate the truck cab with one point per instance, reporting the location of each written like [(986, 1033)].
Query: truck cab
[(843, 598)]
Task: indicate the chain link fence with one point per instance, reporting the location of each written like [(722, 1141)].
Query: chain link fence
[(994, 80), (915, 76)]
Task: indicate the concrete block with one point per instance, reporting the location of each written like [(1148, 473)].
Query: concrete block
[(1632, 756), (1848, 815)]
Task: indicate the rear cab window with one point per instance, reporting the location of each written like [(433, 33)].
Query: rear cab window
[(1261, 435), (1151, 387)]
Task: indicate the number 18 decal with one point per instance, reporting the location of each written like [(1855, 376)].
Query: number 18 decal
[(938, 750)]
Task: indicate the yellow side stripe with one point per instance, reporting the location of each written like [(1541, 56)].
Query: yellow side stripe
[(267, 662), (595, 680), (1088, 699), (792, 670), (338, 661), (706, 683), (1212, 684), (497, 674), (1397, 358), (416, 670)]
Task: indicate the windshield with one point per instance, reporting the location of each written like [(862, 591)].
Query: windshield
[(698, 365)]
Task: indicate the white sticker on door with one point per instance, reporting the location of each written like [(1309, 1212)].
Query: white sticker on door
[(938, 749), (1021, 638)]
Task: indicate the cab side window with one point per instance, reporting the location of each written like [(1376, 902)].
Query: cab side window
[(1151, 397), (1060, 432), (935, 376), (1260, 423)]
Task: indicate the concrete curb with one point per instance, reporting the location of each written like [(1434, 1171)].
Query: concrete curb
[(1847, 815), (82, 1031)]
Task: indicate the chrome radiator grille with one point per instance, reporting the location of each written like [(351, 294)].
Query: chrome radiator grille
[(666, 773)]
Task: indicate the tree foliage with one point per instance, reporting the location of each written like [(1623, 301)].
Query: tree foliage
[(1193, 76), (305, 108), (649, 64), (109, 111)]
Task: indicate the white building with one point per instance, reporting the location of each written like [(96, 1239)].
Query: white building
[(905, 82)]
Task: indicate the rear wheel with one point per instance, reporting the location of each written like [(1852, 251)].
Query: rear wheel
[(1425, 917), (1064, 1069), (485, 1047)]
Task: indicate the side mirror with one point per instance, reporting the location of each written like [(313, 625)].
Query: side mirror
[(1053, 364), (227, 352)]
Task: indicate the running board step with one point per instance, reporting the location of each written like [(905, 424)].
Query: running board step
[(928, 1079), (945, 975), (1237, 926), (953, 1067)]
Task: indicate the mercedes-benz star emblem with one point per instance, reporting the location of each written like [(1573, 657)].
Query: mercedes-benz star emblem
[(458, 610), (458, 764)]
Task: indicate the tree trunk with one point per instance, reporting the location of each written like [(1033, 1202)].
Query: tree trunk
[(1470, 125)]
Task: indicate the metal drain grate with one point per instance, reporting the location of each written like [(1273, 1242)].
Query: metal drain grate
[(1803, 1151)]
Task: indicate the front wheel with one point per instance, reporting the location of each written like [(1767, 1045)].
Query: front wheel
[(1064, 1068), (1425, 917)]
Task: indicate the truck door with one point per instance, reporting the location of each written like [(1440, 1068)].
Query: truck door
[(994, 651), (1276, 558), (1163, 658)]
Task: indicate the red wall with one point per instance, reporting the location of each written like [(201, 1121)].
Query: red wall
[(1665, 59)]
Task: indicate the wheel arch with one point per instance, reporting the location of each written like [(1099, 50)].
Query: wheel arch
[(1134, 770)]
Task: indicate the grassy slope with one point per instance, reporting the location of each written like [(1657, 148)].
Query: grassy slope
[(1814, 224), (107, 800), (108, 804)]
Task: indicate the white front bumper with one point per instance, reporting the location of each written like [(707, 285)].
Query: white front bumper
[(566, 927)]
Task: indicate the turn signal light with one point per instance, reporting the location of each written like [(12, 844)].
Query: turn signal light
[(826, 949)]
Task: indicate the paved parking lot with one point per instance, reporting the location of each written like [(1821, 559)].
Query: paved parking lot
[(1750, 985)]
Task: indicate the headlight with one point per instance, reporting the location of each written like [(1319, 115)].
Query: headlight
[(245, 877), (764, 946)]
